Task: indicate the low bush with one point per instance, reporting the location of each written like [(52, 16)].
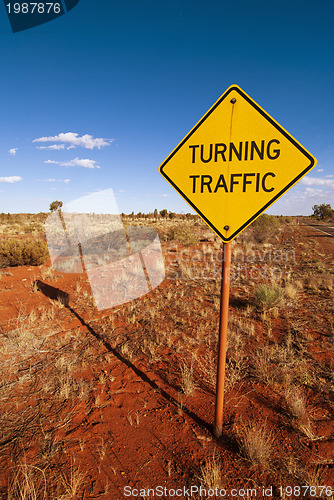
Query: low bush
[(183, 234), (264, 227), (23, 253)]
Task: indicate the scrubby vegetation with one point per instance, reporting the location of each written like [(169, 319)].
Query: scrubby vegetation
[(183, 234), (92, 400), (15, 252), (264, 227), (267, 296), (323, 211)]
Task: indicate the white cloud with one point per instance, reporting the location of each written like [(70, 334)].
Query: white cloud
[(74, 140), (299, 201), (165, 195), (77, 162), (313, 181), (12, 151), (320, 170), (13, 178), (66, 181), (85, 163), (53, 147), (311, 192)]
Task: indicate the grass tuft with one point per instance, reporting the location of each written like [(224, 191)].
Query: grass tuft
[(187, 378), (29, 483), (268, 296), (256, 444), (211, 473)]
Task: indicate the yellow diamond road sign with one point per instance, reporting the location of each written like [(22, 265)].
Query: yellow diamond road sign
[(235, 163)]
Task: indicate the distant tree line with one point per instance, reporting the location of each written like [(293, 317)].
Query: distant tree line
[(162, 214)]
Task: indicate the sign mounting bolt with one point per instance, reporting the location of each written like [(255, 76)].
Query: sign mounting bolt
[(233, 100), (226, 228)]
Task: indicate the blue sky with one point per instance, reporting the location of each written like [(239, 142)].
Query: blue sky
[(117, 85)]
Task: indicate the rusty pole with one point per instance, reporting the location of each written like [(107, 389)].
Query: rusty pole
[(224, 302)]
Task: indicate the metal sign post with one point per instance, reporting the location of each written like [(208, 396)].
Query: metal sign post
[(222, 338)]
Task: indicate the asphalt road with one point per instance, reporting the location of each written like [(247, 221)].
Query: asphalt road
[(324, 228)]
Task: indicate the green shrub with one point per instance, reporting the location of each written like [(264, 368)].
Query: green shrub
[(267, 296), (264, 227), (22, 253), (31, 228), (183, 234)]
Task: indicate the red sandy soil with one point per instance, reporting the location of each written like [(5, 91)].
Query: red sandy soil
[(136, 428)]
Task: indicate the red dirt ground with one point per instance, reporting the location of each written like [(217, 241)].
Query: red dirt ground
[(135, 428)]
